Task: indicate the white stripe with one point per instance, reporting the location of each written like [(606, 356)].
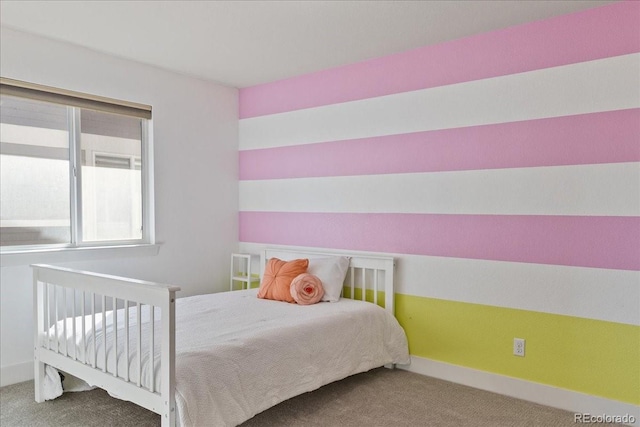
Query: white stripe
[(593, 86), (592, 293), (602, 189)]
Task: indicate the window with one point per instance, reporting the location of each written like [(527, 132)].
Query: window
[(75, 169)]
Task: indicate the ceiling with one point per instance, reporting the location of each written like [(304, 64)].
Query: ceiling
[(244, 43)]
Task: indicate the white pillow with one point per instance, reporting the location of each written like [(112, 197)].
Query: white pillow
[(331, 271)]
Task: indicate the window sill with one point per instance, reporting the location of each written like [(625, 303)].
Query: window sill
[(57, 255)]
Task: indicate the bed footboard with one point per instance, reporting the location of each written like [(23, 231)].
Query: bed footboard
[(71, 306)]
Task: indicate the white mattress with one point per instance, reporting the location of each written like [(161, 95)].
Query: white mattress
[(237, 355)]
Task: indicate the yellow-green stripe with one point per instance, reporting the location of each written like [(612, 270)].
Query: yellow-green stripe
[(589, 356)]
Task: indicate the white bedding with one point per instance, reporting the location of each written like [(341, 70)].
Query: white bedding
[(237, 355)]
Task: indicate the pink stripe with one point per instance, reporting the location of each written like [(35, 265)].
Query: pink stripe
[(608, 137), (601, 32), (588, 241)]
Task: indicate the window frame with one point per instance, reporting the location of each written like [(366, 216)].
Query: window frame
[(19, 254)]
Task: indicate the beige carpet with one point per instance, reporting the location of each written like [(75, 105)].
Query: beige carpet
[(381, 397)]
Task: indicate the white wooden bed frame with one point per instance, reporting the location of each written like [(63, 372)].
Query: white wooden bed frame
[(60, 293)]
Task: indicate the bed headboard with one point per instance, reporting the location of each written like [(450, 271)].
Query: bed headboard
[(369, 277)]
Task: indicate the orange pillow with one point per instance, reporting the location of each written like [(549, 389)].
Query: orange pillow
[(277, 278)]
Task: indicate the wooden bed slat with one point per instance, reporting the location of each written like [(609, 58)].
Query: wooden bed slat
[(104, 332), (93, 328), (73, 326), (151, 355), (352, 280), (84, 327), (126, 338), (114, 311), (46, 313), (55, 319), (375, 286), (139, 343), (65, 310)]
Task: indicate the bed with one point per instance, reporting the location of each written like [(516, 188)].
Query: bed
[(214, 359)]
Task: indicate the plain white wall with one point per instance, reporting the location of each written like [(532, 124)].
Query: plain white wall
[(196, 176)]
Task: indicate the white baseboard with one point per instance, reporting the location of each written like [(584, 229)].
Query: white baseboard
[(568, 400), (17, 373)]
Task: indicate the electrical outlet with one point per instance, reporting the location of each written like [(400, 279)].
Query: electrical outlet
[(518, 347)]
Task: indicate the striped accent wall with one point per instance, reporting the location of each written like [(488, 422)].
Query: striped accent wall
[(501, 170)]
